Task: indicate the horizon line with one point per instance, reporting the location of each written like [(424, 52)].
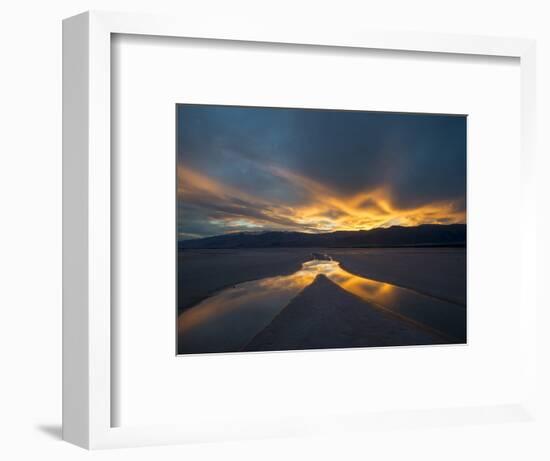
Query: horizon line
[(260, 232)]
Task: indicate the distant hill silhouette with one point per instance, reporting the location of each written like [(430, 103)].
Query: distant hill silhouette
[(424, 235)]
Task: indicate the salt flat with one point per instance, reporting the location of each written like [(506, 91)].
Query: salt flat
[(437, 272), (324, 316), (288, 298)]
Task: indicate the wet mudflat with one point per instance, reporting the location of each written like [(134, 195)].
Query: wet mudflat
[(369, 312)]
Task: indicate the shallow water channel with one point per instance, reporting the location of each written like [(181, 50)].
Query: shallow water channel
[(228, 320)]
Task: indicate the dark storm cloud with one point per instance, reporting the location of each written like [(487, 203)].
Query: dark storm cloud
[(277, 161)]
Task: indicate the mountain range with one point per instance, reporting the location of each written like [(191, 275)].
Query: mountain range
[(395, 236)]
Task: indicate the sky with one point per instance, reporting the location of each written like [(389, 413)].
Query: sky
[(249, 169)]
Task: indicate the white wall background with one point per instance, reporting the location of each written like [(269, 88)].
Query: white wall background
[(30, 225)]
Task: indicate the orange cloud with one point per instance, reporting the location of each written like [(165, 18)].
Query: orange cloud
[(325, 210), (329, 211)]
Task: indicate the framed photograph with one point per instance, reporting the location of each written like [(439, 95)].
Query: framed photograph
[(270, 232), (291, 223)]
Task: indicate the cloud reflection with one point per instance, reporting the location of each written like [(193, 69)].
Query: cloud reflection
[(228, 320)]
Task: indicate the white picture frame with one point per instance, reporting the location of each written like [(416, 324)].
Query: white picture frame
[(87, 360)]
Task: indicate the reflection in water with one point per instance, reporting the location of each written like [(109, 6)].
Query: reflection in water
[(228, 320)]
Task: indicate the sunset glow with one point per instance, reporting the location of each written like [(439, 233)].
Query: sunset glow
[(244, 169), (325, 210)]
